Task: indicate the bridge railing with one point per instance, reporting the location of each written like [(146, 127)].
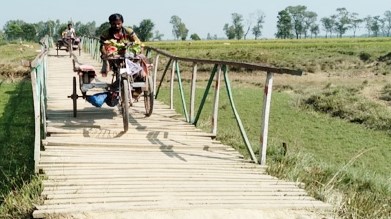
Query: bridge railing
[(220, 68), (38, 81)]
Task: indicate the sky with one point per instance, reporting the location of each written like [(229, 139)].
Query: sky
[(200, 16)]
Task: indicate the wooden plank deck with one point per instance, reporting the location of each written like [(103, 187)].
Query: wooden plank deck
[(161, 168)]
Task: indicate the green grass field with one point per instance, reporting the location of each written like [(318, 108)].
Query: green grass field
[(19, 187)]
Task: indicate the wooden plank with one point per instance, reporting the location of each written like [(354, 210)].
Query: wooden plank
[(189, 193)]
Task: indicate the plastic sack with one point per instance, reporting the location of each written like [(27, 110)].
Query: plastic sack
[(132, 68), (97, 99)]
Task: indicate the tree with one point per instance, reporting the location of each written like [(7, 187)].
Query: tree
[(176, 22), (28, 32), (88, 29), (308, 21), (157, 36), (284, 25), (387, 23), (144, 30), (328, 24), (355, 23), (237, 20), (297, 14), (375, 26), (368, 24), (229, 31), (342, 21), (179, 29), (45, 28), (62, 28), (236, 29), (183, 31), (257, 29), (102, 28), (314, 29), (249, 22), (195, 36), (13, 29)]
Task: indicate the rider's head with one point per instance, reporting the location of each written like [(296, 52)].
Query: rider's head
[(116, 21), (69, 25)]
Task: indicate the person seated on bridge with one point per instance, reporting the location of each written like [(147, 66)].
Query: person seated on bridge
[(119, 34)]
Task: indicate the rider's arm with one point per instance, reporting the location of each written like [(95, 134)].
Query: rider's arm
[(103, 38), (132, 37)]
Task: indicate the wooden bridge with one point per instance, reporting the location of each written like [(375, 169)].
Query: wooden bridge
[(162, 167)]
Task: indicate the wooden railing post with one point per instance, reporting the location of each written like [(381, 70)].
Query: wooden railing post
[(193, 91), (155, 68), (37, 119), (216, 101), (265, 116)]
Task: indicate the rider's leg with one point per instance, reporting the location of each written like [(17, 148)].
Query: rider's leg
[(105, 68)]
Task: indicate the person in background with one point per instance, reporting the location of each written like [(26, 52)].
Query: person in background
[(119, 34), (68, 35), (70, 32)]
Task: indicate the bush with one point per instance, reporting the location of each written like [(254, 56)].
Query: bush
[(364, 56)]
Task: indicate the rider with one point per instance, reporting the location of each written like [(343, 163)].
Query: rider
[(121, 35), (69, 33)]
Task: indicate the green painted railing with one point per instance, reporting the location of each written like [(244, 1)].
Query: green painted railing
[(220, 67), (38, 81)]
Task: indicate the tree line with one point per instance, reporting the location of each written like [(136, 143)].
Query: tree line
[(292, 22), (20, 30), (298, 22)]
